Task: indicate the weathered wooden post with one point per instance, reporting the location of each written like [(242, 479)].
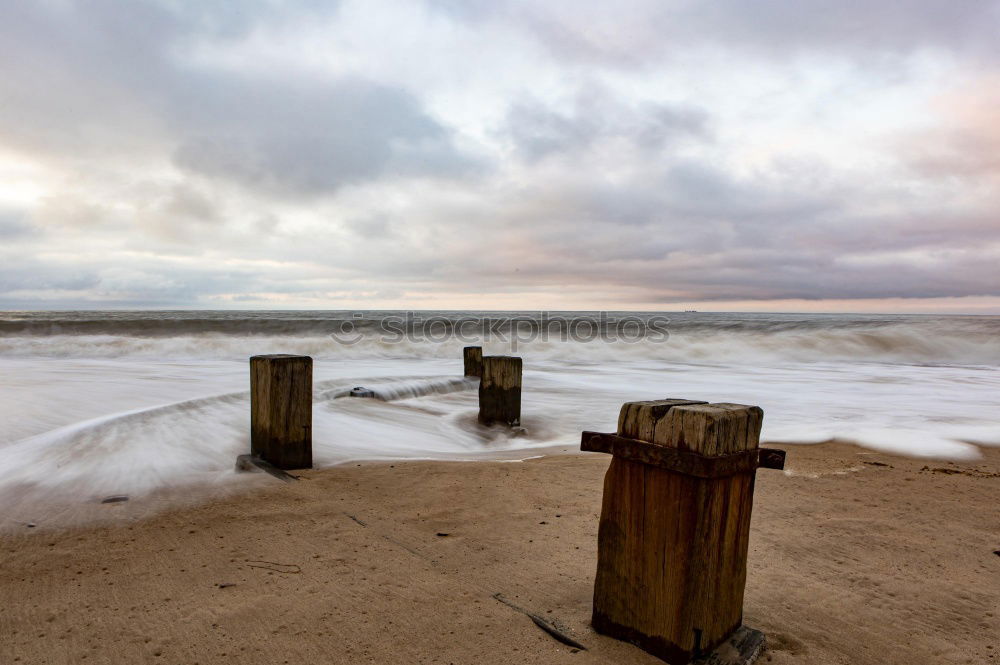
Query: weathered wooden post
[(675, 522), (281, 410), (500, 391), (473, 357)]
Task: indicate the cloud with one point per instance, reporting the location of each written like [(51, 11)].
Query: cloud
[(109, 80), (296, 139), (163, 154), (630, 34), (846, 26), (13, 225), (28, 275), (965, 142), (538, 130)]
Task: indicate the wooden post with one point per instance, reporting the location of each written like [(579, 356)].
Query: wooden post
[(473, 357), (281, 410), (675, 522), (500, 391)]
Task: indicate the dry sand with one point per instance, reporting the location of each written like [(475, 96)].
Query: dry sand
[(856, 557)]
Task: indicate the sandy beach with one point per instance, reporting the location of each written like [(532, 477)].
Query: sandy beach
[(855, 557)]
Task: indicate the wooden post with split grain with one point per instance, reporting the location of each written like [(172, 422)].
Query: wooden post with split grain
[(675, 522), (473, 357), (500, 391), (281, 410)]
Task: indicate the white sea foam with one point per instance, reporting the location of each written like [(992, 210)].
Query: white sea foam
[(92, 415)]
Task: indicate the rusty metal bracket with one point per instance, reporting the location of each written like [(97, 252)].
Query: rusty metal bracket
[(682, 461), (770, 458)]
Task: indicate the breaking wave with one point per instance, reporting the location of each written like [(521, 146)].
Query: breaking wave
[(695, 338)]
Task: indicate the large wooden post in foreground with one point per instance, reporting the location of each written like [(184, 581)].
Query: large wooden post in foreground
[(675, 522), (281, 410), (500, 391), (473, 358)]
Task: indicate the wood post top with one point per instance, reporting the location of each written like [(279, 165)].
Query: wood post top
[(472, 357), (280, 356), (688, 436), (710, 429), (501, 371)]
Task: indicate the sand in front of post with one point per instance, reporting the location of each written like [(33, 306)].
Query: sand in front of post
[(855, 557)]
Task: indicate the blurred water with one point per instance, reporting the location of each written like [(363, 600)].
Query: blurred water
[(96, 404)]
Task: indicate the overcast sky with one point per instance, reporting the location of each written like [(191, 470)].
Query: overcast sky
[(770, 155)]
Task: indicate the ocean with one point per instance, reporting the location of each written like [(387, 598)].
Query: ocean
[(99, 403)]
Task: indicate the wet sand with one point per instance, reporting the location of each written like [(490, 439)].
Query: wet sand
[(856, 557)]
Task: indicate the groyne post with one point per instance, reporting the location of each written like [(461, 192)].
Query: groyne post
[(473, 359), (500, 391), (675, 523), (281, 410)]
